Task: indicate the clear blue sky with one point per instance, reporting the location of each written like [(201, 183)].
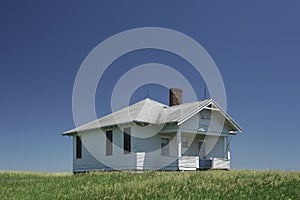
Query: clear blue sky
[(255, 44)]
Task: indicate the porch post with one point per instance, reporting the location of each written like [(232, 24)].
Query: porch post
[(227, 147), (179, 142)]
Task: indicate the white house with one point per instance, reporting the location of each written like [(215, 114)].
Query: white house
[(149, 135)]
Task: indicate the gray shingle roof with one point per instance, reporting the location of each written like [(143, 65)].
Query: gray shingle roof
[(147, 111)]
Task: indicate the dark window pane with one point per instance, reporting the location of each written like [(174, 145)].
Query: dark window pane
[(78, 147), (127, 140), (109, 142), (164, 146)]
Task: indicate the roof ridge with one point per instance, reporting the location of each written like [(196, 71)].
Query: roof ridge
[(108, 115), (150, 111), (143, 110), (156, 102)]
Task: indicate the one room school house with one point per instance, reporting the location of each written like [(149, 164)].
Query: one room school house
[(149, 135)]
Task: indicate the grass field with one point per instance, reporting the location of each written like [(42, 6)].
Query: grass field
[(152, 185)]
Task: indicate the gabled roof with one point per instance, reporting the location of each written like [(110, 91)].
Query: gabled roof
[(152, 112)]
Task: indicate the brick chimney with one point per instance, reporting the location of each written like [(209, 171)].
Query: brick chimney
[(175, 96)]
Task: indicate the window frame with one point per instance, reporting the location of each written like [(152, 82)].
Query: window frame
[(78, 147)]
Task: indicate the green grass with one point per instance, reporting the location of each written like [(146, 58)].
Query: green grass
[(152, 185)]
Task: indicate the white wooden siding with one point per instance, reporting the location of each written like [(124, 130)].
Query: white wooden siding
[(218, 163), (94, 151), (146, 153), (188, 163)]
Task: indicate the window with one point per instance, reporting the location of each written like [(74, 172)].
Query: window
[(109, 142), (78, 147), (164, 146), (127, 140)]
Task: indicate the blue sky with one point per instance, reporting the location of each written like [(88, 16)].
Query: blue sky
[(256, 46)]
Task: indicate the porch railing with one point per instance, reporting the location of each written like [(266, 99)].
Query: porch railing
[(220, 163), (194, 163), (188, 163)]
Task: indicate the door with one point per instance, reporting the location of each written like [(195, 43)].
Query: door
[(165, 146), (201, 149)]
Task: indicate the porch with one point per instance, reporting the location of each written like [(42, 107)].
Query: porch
[(202, 151), (186, 163)]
